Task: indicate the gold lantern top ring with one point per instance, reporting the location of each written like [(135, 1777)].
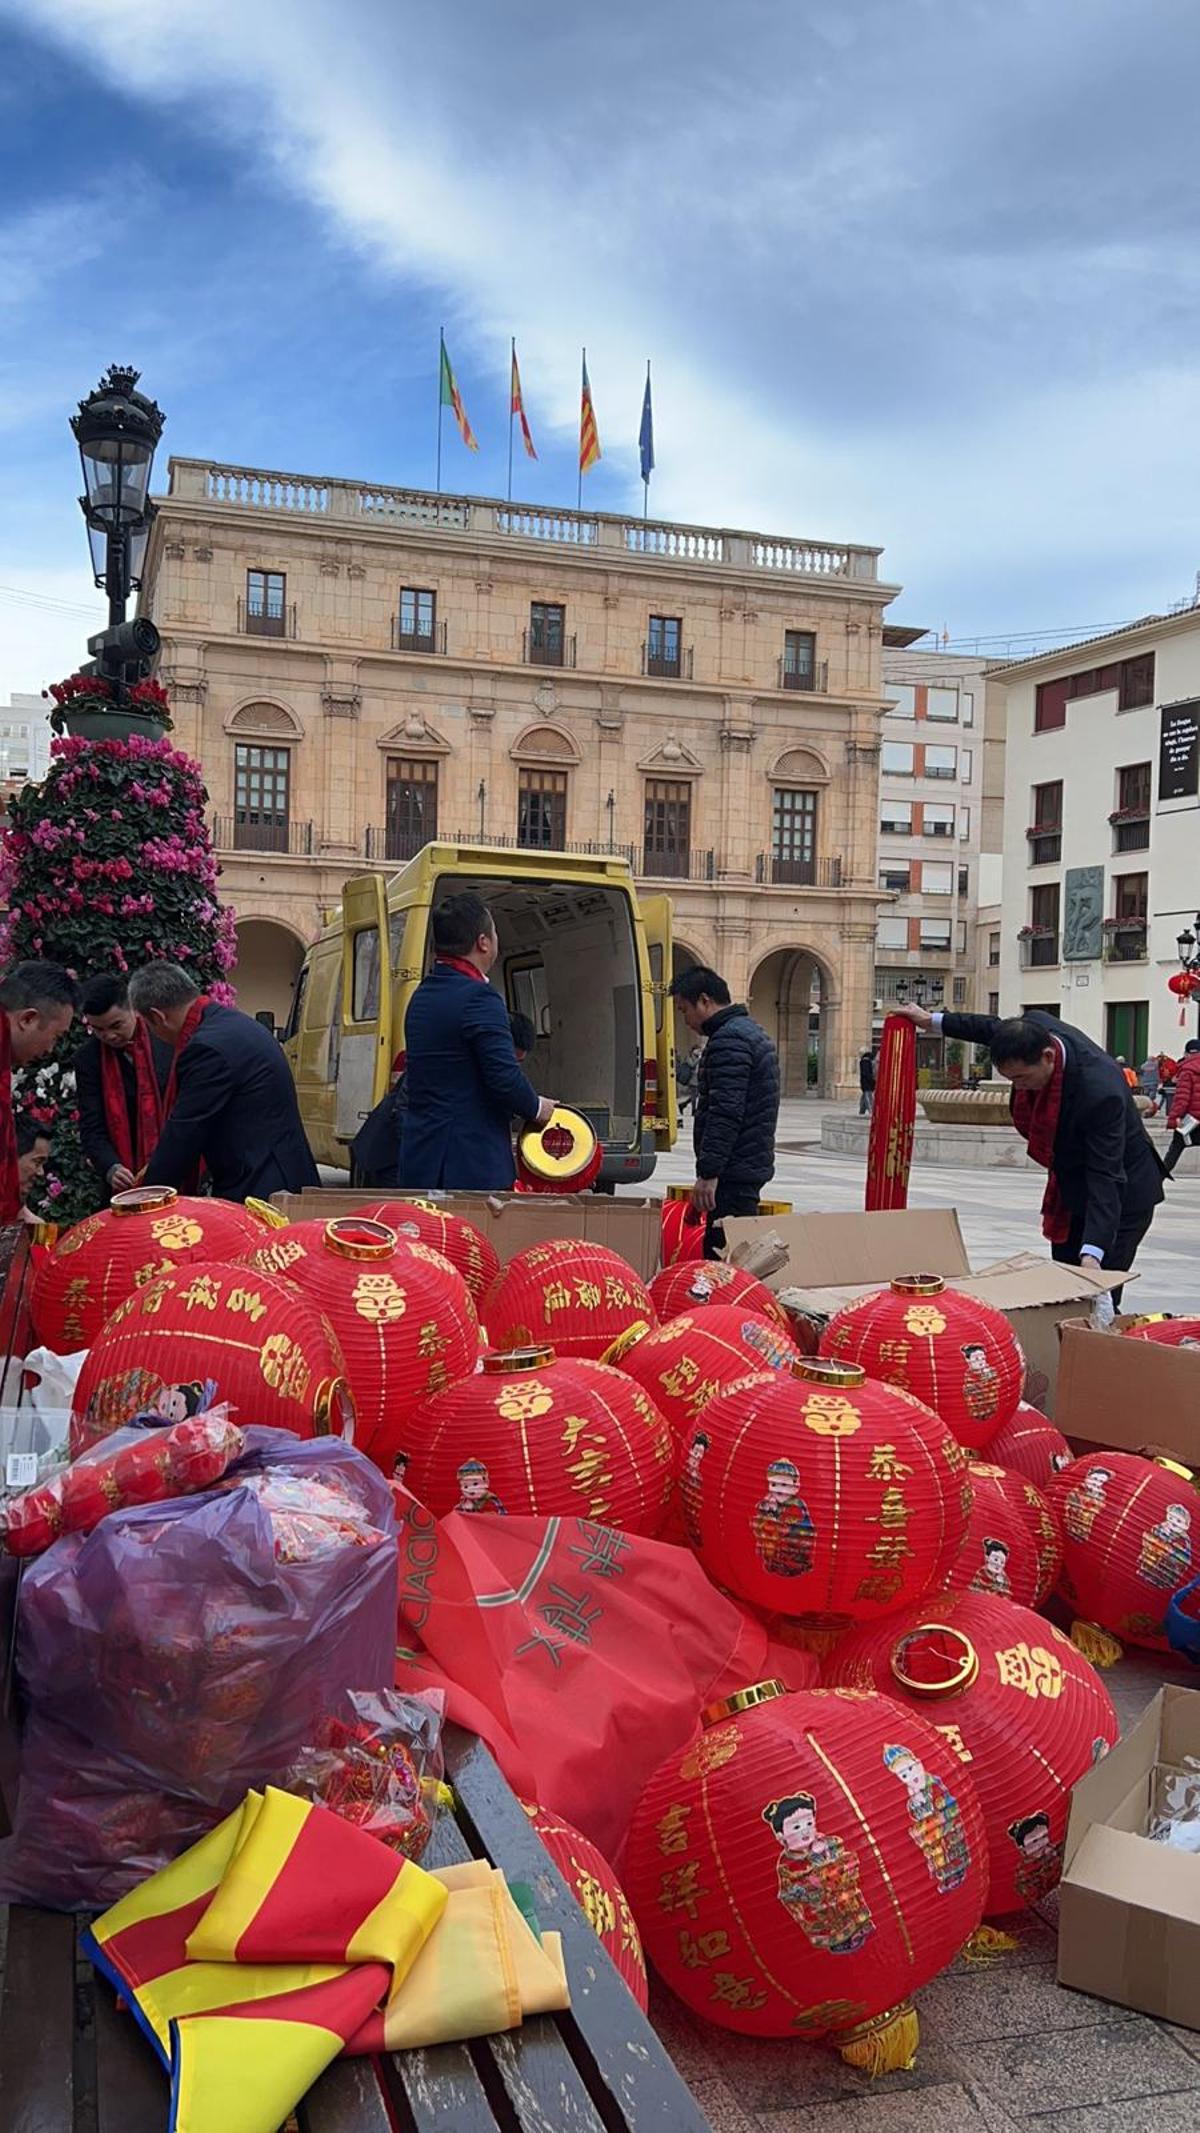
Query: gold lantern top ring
[(497, 1364), (825, 1370), (270, 1217), (144, 1200), (356, 1237), (541, 1150), (747, 1699), (1147, 1318), (624, 1343), (1176, 1467), (961, 1661), (917, 1285), (332, 1397)]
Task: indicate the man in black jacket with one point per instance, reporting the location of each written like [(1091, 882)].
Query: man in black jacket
[(737, 1101), (115, 1031), (1076, 1111), (235, 1106)]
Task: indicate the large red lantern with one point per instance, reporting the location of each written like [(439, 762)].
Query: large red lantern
[(424, 1222), (1029, 1444), (1012, 1548), (685, 1362), (577, 1295), (1131, 1537), (806, 1863), (401, 1312), (1022, 1709), (544, 1436), (564, 1155), (959, 1356), (598, 1893), (1168, 1332), (230, 1333), (815, 1493), (690, 1287), (100, 1261)]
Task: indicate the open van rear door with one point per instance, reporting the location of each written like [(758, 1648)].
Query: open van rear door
[(661, 1107), (365, 1060)]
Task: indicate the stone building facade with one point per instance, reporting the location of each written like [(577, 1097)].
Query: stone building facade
[(360, 667)]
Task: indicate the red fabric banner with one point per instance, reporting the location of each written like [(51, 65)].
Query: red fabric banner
[(148, 1101), (893, 1116)]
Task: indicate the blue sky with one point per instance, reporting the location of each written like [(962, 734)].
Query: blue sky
[(911, 272)]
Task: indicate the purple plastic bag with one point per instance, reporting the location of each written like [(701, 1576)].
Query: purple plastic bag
[(184, 1652)]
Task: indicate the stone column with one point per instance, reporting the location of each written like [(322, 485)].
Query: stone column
[(338, 831), (735, 859)]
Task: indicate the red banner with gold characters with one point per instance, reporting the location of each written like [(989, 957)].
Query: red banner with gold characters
[(893, 1117)]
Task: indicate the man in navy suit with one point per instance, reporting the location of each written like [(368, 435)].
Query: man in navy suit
[(463, 1085), (234, 1104)]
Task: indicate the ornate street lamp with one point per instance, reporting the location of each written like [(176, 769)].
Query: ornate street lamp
[(117, 430), (1188, 944)]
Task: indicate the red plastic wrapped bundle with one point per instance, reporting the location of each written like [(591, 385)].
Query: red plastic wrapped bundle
[(424, 1222), (1031, 1445), (265, 1349), (1012, 1549), (132, 1466), (805, 1864), (533, 1434), (105, 1258), (378, 1764), (578, 1296), (689, 1287), (683, 1363), (959, 1356), (817, 1494), (1023, 1710), (598, 1893), (402, 1314), (1131, 1536), (1169, 1332)]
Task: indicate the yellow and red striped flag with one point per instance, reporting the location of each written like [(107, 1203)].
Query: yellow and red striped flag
[(589, 435), (451, 397), (517, 405)]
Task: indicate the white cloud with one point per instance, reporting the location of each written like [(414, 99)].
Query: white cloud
[(45, 622)]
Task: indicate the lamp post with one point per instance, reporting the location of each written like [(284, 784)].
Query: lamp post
[(117, 430), (1188, 945)]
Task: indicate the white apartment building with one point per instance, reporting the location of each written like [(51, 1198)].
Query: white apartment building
[(1102, 832), (24, 740)]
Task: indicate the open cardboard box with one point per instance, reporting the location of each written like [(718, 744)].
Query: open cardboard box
[(831, 1259), (512, 1221), (1129, 1908), (1128, 1394)]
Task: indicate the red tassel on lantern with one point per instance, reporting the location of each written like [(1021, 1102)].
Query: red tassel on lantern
[(1168, 1332), (1012, 1549), (458, 1240), (1131, 1537), (100, 1261), (1022, 1709), (598, 1893), (1031, 1445), (818, 1494), (806, 1863), (577, 1295), (689, 1287), (959, 1356)]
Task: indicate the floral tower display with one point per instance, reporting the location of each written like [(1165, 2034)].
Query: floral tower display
[(1131, 1537), (960, 1356)]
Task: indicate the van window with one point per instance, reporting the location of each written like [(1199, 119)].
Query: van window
[(396, 925), (365, 1001), (530, 996), (297, 1014)]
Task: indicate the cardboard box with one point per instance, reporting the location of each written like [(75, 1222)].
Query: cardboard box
[(1128, 1394), (1129, 1908), (513, 1221), (831, 1259)]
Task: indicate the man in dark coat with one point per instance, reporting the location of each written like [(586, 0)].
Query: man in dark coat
[(234, 1104), (142, 1066), (1074, 1107), (737, 1101), (463, 1085), (866, 1082)]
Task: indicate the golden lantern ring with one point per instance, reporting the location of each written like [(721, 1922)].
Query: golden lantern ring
[(741, 1700), (497, 1364), (144, 1200), (356, 1237), (270, 1217), (917, 1285), (545, 1156), (825, 1370), (963, 1661), (625, 1342), (330, 1393)]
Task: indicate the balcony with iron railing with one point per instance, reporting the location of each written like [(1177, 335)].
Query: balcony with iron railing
[(683, 865), (388, 846), (1038, 947), (541, 651), (774, 870), (1125, 940), (668, 666), (260, 622), (428, 641), (287, 839), (813, 676)]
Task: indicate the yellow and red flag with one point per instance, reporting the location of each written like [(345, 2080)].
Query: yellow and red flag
[(589, 435), (517, 406), (451, 397)]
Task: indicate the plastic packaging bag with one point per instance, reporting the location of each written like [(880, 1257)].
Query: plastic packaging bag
[(184, 1652), (378, 1762), (133, 1466)]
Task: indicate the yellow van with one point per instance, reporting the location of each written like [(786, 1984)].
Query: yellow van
[(581, 953)]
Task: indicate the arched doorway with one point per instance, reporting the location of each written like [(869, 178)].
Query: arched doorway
[(789, 995), (268, 964)]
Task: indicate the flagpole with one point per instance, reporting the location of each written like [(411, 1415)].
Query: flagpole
[(646, 475), (582, 376), (510, 413), (441, 371)]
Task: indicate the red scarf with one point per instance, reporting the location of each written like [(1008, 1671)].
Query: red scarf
[(191, 1023), (135, 1150), (460, 963), (893, 1116), (11, 1195), (1035, 1115)]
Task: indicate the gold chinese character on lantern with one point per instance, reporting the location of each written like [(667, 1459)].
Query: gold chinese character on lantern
[(431, 1340), (617, 1292), (249, 1303), (201, 1294), (572, 1430), (679, 1889), (277, 1258), (736, 1991), (524, 1401), (76, 1238), (830, 1414), (555, 1297), (889, 1548), (953, 1736), (885, 1465), (1031, 1669), (379, 1299), (893, 1510), (710, 1752), (176, 1233), (696, 1950), (672, 1829), (681, 1374), (589, 1294), (284, 1368)]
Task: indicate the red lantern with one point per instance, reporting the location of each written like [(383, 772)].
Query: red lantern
[(255, 1340), (423, 1222), (1169, 1332), (598, 1893), (1031, 1445), (105, 1258), (401, 1312), (818, 1494), (959, 1356), (683, 1233), (1023, 1710), (684, 1363), (690, 1287), (540, 1436), (1012, 1548), (806, 1863), (1183, 983), (562, 1156), (1130, 1528), (578, 1296)]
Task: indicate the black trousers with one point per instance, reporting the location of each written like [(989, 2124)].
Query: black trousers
[(1180, 1141), (1121, 1253), (733, 1198)]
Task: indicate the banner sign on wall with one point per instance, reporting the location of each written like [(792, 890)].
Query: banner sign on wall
[(1179, 752)]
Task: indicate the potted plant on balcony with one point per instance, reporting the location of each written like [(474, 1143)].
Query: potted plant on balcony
[(90, 707)]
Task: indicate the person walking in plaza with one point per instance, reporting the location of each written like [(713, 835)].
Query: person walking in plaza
[(866, 1082), (121, 1076), (1184, 1115), (463, 1086), (737, 1101), (1073, 1106), (230, 1102), (37, 1007)]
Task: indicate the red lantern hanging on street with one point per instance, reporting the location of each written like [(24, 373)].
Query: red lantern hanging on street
[(1023, 1710), (1012, 1549), (227, 1332), (598, 1893), (459, 1241), (818, 1494), (1131, 1537), (535, 1435), (960, 1356), (1168, 1332), (683, 1363), (1031, 1445), (804, 1864), (690, 1286), (577, 1295), (100, 1261), (402, 1314)]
